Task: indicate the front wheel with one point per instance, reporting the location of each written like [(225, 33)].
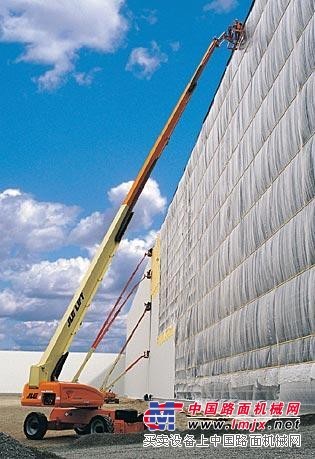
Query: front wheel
[(101, 424), (35, 426), (82, 430)]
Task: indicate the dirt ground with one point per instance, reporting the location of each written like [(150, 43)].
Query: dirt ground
[(66, 444), (12, 416)]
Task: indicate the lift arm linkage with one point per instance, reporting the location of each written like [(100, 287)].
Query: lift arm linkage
[(50, 365)]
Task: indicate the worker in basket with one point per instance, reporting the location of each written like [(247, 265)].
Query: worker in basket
[(235, 32)]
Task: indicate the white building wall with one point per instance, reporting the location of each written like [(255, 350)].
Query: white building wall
[(162, 359), (155, 375), (15, 367), (136, 380)]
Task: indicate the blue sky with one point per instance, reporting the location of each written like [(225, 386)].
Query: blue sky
[(86, 88)]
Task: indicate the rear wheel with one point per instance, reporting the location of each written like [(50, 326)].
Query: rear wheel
[(35, 426), (101, 424)]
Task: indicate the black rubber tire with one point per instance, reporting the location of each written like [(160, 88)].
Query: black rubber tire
[(35, 426), (101, 424), (82, 430)]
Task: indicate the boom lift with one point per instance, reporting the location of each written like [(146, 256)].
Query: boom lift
[(79, 406)]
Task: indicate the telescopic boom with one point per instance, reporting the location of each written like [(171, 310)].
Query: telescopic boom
[(51, 363)]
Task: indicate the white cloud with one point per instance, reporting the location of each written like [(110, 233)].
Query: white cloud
[(175, 46), (89, 231), (40, 295), (150, 204), (149, 16), (12, 305), (144, 62), (35, 291), (47, 279), (10, 193), (221, 6), (29, 335), (54, 31), (29, 225), (86, 78)]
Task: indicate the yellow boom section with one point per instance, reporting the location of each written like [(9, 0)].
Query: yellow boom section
[(169, 127), (74, 315)]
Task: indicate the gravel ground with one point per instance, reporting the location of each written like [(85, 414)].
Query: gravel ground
[(67, 444), (115, 447), (11, 448), (130, 446)]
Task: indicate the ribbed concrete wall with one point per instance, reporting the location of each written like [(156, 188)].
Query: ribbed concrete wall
[(237, 277), (238, 242)]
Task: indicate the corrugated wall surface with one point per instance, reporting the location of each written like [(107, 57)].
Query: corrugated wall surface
[(238, 243)]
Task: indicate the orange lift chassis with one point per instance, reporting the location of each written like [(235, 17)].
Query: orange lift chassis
[(79, 406)]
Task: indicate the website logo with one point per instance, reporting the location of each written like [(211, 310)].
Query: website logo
[(161, 416)]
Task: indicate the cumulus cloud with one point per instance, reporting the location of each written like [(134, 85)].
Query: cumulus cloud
[(29, 335), (12, 305), (47, 279), (54, 31), (35, 290), (38, 297), (31, 226), (150, 203), (89, 231), (221, 6), (144, 62)]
